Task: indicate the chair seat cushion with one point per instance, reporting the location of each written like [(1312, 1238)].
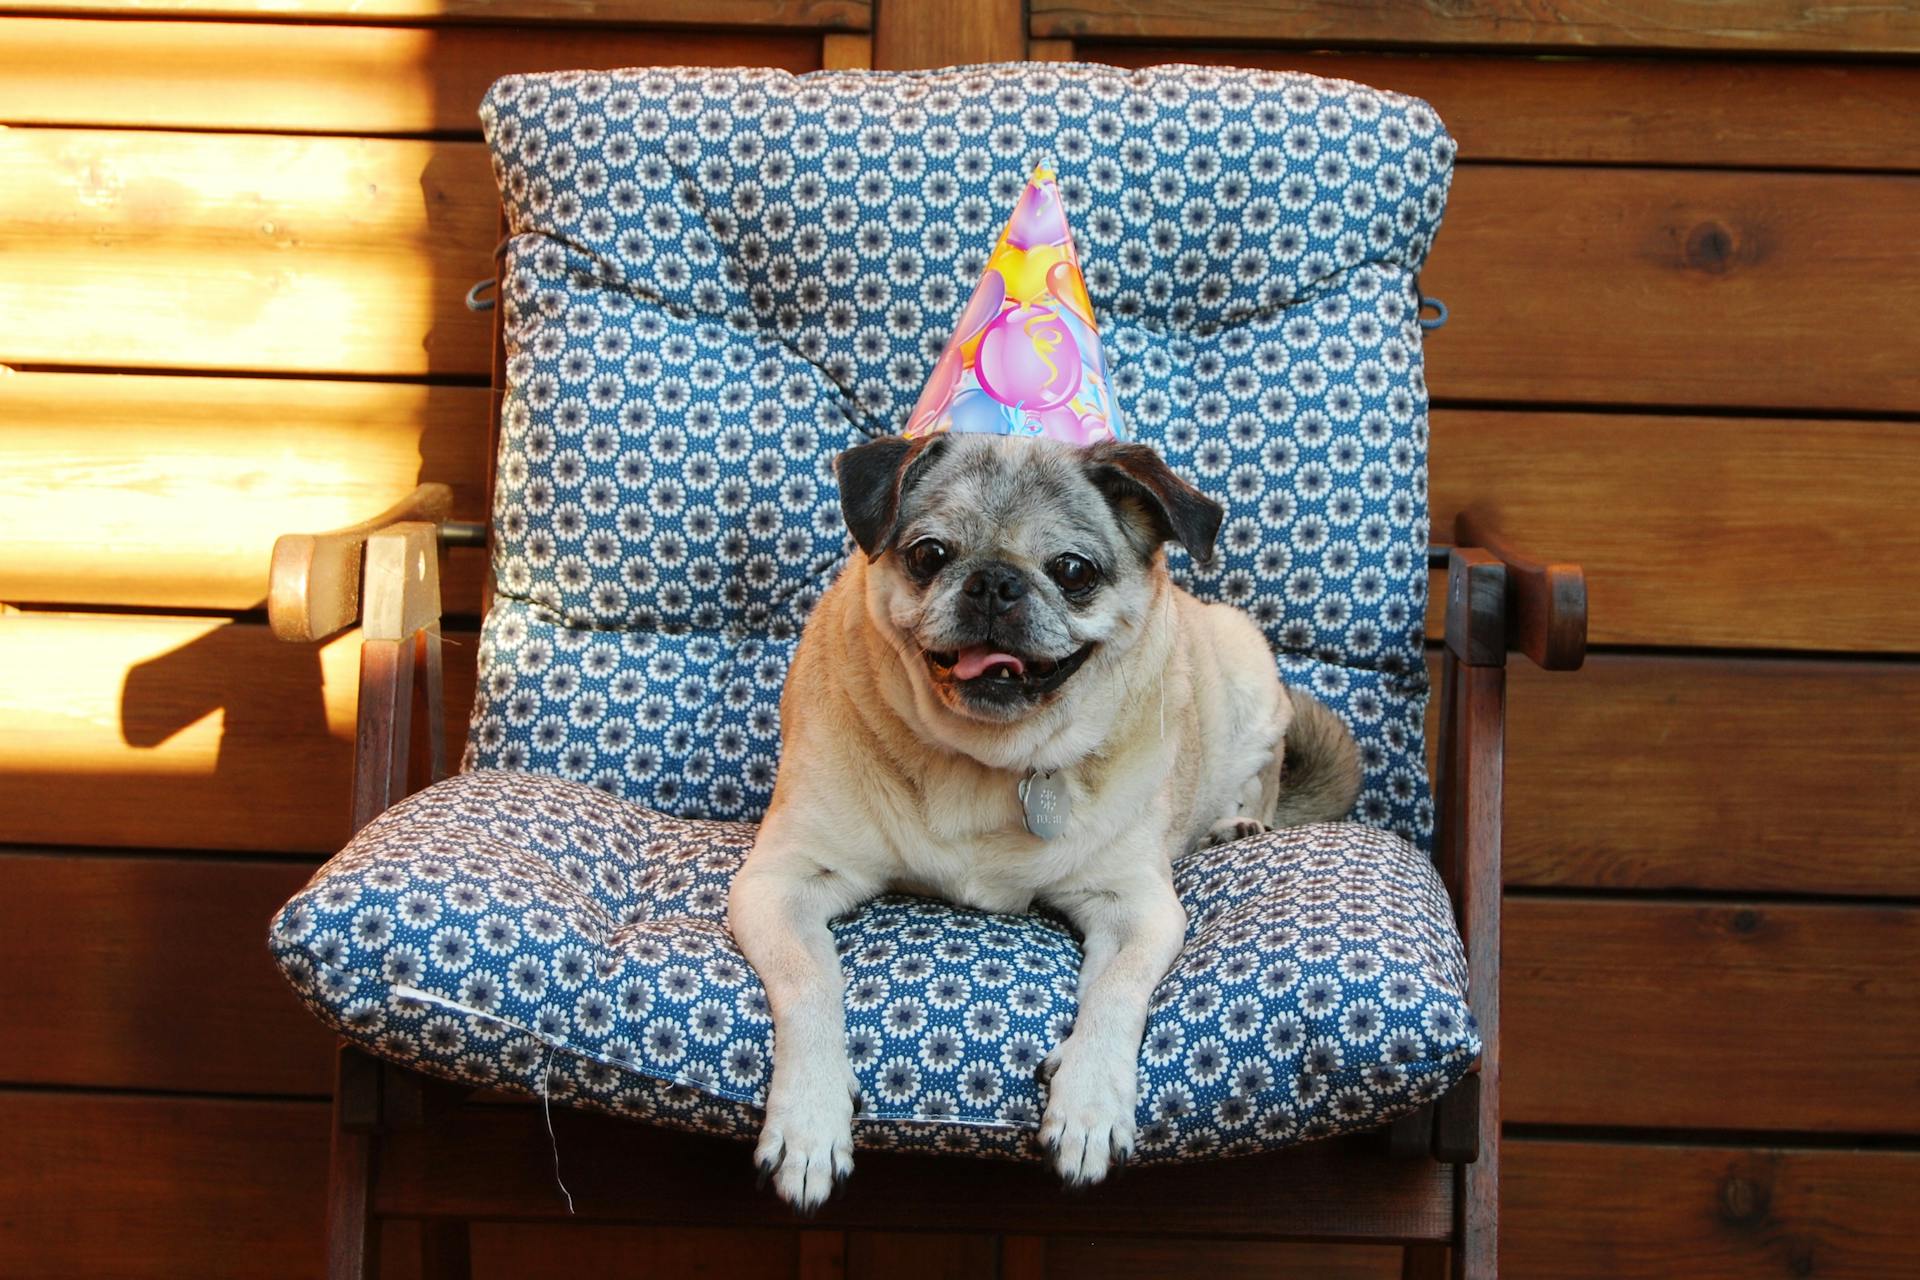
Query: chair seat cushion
[(535, 934)]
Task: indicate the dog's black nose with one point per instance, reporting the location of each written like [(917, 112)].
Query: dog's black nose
[(996, 587)]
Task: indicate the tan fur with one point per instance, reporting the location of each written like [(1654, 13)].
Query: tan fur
[(1169, 737), (1165, 737)]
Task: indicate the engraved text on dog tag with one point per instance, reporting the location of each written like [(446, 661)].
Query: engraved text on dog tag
[(1046, 802)]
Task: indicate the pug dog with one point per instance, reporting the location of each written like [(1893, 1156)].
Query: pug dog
[(1009, 625)]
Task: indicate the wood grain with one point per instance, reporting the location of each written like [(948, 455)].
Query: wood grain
[(209, 1186), (376, 80), (1738, 1016), (1712, 532), (1635, 111), (944, 1255), (500, 1163), (799, 15), (382, 572), (1743, 1009), (1749, 26), (190, 480), (185, 482), (182, 732), (1074, 1258), (1655, 288), (1636, 772), (846, 52), (1625, 1211), (321, 79), (136, 1187), (1612, 1211), (1648, 287), (513, 1251), (1676, 772), (910, 34), (1575, 1210), (1546, 605), (226, 252), (1467, 855), (1671, 288), (152, 973)]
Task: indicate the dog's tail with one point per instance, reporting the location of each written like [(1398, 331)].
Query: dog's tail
[(1320, 772)]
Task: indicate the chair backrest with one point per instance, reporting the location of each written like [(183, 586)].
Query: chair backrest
[(720, 278)]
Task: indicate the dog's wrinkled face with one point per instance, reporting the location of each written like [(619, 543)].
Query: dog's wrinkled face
[(1007, 563)]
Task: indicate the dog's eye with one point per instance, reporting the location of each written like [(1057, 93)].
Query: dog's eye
[(1074, 574), (924, 558)]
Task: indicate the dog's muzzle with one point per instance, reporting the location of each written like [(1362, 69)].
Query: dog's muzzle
[(1003, 678)]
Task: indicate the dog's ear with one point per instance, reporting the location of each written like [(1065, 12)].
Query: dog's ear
[(1164, 507), (875, 479)]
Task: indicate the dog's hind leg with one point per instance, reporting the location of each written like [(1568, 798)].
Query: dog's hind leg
[(778, 910), (1262, 761), (1257, 797)]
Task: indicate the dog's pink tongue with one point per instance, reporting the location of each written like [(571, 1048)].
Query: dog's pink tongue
[(976, 660)]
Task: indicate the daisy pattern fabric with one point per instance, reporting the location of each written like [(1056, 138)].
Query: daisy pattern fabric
[(536, 935), (718, 279)]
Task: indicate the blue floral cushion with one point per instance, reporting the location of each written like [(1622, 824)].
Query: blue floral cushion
[(720, 278), (534, 934)]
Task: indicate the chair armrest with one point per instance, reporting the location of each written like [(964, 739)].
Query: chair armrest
[(1545, 604), (1476, 617), (313, 588), (1498, 600)]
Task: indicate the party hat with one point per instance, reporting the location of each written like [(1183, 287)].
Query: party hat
[(1025, 358)]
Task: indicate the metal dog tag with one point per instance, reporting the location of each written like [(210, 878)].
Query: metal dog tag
[(1046, 803)]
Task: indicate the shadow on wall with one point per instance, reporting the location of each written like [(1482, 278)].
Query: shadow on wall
[(155, 721), (253, 755), (167, 693), (155, 730), (242, 741)]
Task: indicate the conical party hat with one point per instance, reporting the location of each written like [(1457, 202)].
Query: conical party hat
[(1025, 358)]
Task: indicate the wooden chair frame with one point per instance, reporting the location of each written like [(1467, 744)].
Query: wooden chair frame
[(408, 1146)]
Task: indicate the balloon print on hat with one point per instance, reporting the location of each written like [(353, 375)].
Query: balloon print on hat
[(1025, 358)]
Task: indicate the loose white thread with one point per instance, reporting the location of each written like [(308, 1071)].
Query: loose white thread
[(546, 1107)]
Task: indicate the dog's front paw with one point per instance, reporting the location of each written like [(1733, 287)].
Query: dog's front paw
[(806, 1144), (1227, 830), (1088, 1125)]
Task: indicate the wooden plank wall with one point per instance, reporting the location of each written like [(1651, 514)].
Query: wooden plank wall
[(233, 243)]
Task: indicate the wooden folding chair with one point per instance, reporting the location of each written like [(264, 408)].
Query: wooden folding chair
[(408, 1146), (412, 1147)]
